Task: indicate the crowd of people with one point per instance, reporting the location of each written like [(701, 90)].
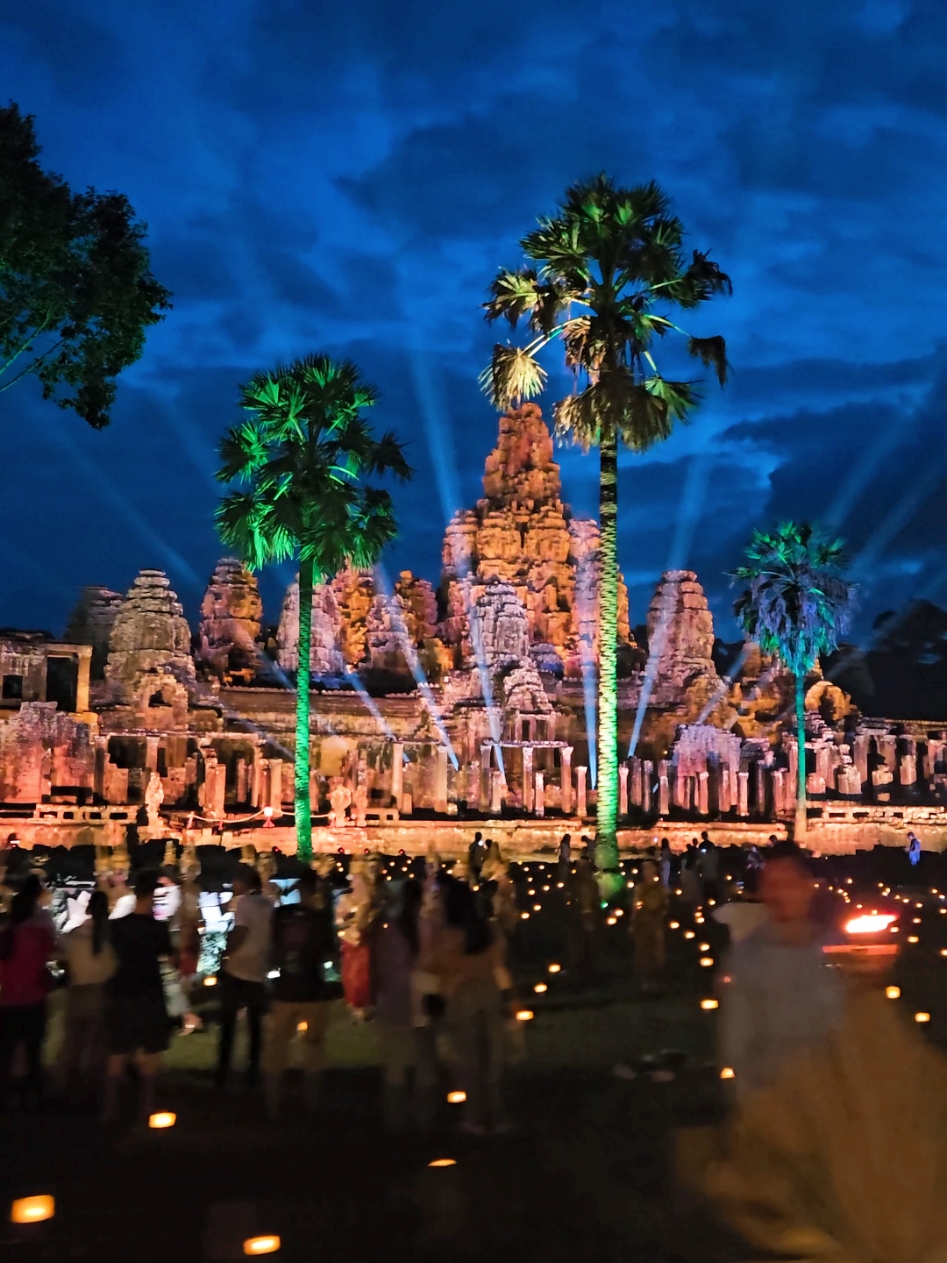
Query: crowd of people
[(428, 957)]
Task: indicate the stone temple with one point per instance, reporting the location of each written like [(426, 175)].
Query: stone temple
[(433, 709)]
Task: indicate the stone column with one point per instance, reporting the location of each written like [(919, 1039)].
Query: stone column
[(539, 798), (623, 790), (703, 793), (151, 754), (565, 779), (101, 762), (743, 793), (473, 785), (581, 806), (397, 773), (84, 664), (907, 769), (496, 792), (647, 771), (723, 794), (860, 756), (275, 796), (759, 788), (527, 778), (486, 780), (241, 790), (664, 789), (440, 781), (256, 781)]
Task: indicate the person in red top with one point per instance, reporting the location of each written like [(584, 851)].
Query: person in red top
[(27, 943)]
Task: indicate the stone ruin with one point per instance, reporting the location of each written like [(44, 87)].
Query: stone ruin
[(467, 698)]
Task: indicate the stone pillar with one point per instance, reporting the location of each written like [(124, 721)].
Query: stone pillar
[(860, 756), (486, 779), (256, 781), (565, 779), (777, 779), (101, 762), (743, 793), (241, 780), (151, 754), (496, 792), (703, 793), (275, 795), (680, 788), (315, 790), (540, 794), (623, 770), (724, 798), (581, 806), (759, 789), (527, 778), (84, 664), (440, 781), (397, 773), (664, 789), (907, 770), (647, 771), (473, 785)]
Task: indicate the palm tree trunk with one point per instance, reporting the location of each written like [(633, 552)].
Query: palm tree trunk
[(799, 831), (301, 774), (606, 849)]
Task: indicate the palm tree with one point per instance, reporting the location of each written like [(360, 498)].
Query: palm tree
[(796, 605), (302, 458), (596, 275)]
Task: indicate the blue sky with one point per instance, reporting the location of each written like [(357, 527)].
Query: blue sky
[(348, 178)]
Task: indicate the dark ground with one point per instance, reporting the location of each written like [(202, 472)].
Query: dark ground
[(584, 1176)]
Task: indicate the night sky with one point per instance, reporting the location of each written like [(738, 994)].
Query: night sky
[(348, 178)]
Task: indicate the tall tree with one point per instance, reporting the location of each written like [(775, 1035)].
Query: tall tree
[(303, 458), (601, 276), (796, 605), (76, 293)]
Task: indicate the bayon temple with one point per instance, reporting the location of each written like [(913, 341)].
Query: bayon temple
[(432, 709)]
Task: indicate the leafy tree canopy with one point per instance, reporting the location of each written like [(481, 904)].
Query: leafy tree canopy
[(602, 276), (76, 292), (796, 603)]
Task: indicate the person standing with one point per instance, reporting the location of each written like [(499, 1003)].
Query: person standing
[(303, 944), (692, 889), (914, 849), (397, 1010), (565, 856), (667, 859), (650, 905), (242, 979), (26, 945), (468, 957), (782, 997), (709, 864), (136, 1020), (476, 854), (90, 961)]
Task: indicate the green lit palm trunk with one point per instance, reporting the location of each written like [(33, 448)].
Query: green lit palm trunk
[(606, 850), (800, 824), (301, 773)]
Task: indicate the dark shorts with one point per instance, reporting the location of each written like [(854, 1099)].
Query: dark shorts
[(136, 1024)]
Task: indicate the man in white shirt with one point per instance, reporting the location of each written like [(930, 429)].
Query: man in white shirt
[(242, 982)]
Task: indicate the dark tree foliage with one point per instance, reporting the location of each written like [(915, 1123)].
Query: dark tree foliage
[(76, 292)]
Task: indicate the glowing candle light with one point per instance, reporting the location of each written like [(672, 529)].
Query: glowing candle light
[(706, 961), (554, 969), (524, 916), (727, 1073), (674, 925), (456, 1098), (210, 981), (262, 1245), (893, 993), (302, 1027), (443, 1162), (689, 934), (709, 1004), (868, 924), (524, 1015), (32, 1210), (922, 1017), (912, 938), (163, 1119), (540, 988)]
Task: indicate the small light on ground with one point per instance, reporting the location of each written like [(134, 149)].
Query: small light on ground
[(301, 1027), (443, 1162), (32, 1210), (922, 1017), (611, 920), (709, 1004), (537, 907), (540, 987), (163, 1119), (456, 1098), (706, 961), (524, 1015), (261, 1245), (555, 969), (893, 993), (210, 981), (704, 947), (727, 1073), (674, 925), (689, 934), (524, 916)]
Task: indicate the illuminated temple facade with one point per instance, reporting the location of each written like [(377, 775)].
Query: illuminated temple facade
[(432, 706)]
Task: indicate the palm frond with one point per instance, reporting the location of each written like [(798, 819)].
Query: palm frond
[(513, 295), (514, 374), (712, 352), (679, 398)]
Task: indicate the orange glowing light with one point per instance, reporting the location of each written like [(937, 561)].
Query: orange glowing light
[(32, 1210), (912, 938), (869, 923), (443, 1162), (456, 1098), (706, 961), (540, 987), (893, 993), (922, 1017), (554, 969), (524, 1015), (163, 1119), (674, 925), (709, 1004), (262, 1245), (727, 1073), (210, 982)]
